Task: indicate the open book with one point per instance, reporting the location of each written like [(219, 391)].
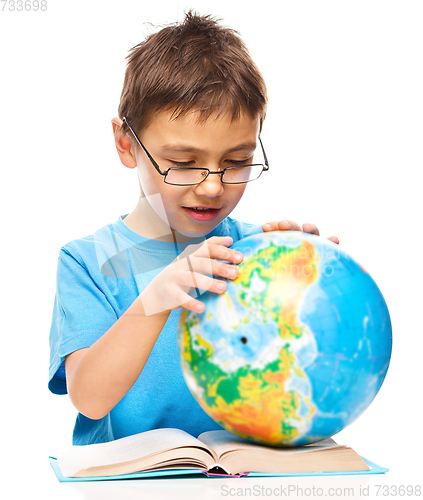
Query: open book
[(214, 452)]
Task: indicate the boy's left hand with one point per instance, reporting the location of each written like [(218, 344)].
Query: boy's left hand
[(289, 225)]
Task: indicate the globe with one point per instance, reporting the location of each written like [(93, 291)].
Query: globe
[(295, 349)]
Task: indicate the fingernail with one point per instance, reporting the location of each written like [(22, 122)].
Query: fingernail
[(233, 272), (267, 226), (220, 286), (238, 256)]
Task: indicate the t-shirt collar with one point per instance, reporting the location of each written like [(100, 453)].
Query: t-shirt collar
[(162, 246)]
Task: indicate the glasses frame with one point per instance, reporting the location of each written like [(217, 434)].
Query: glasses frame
[(156, 166)]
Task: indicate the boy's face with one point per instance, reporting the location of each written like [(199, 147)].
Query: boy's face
[(215, 145)]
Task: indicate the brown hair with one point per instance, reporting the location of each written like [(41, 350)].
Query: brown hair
[(197, 64)]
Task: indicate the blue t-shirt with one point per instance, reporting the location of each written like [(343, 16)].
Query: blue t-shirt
[(98, 279)]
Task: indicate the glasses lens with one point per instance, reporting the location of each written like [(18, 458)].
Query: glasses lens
[(232, 175), (185, 175)]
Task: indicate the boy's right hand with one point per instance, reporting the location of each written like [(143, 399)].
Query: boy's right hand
[(169, 289)]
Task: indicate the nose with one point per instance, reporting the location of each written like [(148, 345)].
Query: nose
[(212, 185)]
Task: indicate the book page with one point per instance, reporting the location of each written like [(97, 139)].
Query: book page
[(126, 449), (224, 442)]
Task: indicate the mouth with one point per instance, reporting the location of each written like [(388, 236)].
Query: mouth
[(202, 212)]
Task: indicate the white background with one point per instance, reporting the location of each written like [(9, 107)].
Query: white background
[(344, 138)]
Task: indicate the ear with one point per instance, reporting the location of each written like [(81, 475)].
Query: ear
[(123, 145)]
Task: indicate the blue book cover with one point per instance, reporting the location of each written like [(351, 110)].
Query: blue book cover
[(178, 473)]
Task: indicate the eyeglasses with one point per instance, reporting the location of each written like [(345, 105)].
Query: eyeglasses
[(188, 176)]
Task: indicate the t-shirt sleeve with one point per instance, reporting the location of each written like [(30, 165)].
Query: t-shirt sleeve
[(248, 229), (240, 230), (81, 315)]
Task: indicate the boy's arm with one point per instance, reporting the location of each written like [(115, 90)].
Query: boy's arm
[(99, 376)]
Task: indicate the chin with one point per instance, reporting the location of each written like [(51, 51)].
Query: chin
[(192, 234), (197, 234)]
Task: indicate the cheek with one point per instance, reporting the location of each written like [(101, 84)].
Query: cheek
[(235, 193), (150, 181)]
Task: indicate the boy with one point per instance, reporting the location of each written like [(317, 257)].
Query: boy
[(192, 105)]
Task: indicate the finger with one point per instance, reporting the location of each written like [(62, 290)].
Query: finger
[(334, 239), (220, 240), (194, 306), (219, 251), (183, 296), (288, 225), (208, 248), (213, 268), (198, 272), (197, 283), (270, 226), (310, 228)]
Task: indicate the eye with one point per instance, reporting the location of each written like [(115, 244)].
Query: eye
[(182, 163), (240, 163)]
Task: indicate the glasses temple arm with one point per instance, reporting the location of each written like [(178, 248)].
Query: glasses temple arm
[(266, 161), (143, 147)]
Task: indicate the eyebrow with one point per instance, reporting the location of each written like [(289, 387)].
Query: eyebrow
[(185, 148)]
